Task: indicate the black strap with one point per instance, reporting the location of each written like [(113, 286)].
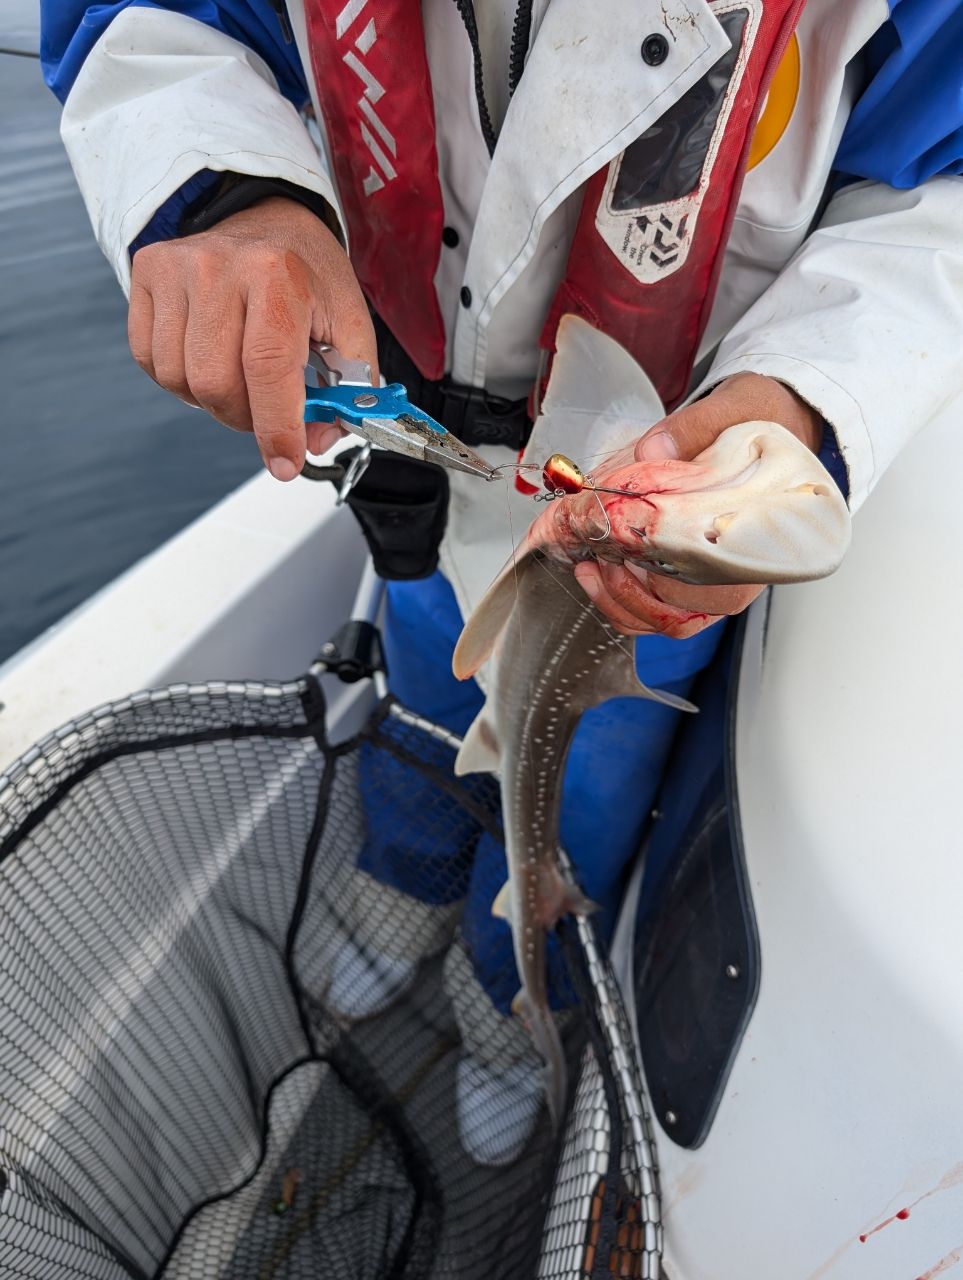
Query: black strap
[(401, 505), (470, 413), (237, 191)]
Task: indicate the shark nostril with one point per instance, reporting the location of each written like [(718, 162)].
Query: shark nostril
[(817, 490), (711, 535)]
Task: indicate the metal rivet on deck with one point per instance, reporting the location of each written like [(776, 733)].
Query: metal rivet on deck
[(733, 971), (671, 1118)]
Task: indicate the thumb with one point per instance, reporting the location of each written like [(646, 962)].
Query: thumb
[(685, 433), (742, 397)]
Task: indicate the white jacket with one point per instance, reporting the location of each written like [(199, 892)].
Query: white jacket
[(857, 304)]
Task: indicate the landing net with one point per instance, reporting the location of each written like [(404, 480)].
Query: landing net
[(184, 921)]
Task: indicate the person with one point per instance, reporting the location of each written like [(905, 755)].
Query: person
[(760, 202)]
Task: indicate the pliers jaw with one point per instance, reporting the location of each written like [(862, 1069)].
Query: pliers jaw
[(384, 415)]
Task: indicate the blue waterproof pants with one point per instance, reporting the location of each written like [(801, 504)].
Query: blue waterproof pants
[(613, 774)]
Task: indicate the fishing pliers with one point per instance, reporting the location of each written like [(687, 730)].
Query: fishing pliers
[(380, 415)]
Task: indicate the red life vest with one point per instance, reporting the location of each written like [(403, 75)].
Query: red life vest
[(645, 260)]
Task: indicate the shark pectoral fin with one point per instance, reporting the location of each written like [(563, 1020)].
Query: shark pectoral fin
[(502, 906), (618, 679), (488, 619), (480, 751)]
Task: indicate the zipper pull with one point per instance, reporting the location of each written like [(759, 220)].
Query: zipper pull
[(280, 9)]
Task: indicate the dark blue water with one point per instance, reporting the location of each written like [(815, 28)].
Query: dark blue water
[(97, 465)]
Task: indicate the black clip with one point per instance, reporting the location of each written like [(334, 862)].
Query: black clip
[(354, 652)]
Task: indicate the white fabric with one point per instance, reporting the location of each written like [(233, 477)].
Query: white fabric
[(162, 97), (586, 94), (495, 20), (861, 317), (865, 322)]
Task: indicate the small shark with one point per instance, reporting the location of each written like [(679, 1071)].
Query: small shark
[(758, 506)]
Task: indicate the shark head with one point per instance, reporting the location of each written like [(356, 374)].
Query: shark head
[(756, 507)]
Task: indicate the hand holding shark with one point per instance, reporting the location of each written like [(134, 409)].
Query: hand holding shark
[(727, 501)]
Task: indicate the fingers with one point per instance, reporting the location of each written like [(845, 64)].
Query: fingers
[(341, 318), (140, 323), (273, 355), (630, 599), (212, 358), (167, 345), (744, 397), (719, 600), (321, 437), (631, 608), (223, 319)]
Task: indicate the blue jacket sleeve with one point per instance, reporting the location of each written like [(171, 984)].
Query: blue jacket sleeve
[(70, 28), (907, 125)]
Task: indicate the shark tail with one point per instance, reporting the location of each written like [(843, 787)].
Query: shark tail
[(548, 1042)]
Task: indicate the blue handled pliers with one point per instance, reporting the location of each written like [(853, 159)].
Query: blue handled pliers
[(383, 415)]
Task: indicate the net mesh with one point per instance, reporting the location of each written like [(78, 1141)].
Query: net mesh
[(228, 1050)]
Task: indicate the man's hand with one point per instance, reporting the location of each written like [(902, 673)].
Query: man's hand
[(639, 602), (223, 319)]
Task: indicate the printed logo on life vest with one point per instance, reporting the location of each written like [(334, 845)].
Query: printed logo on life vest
[(662, 238), (373, 92), (654, 190)]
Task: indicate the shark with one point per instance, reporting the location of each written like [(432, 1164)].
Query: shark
[(756, 507)]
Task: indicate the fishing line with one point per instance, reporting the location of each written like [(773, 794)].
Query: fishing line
[(519, 466), (581, 598)]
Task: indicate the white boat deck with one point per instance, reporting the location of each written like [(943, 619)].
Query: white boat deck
[(251, 590)]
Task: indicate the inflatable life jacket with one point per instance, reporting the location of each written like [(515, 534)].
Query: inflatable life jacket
[(645, 260)]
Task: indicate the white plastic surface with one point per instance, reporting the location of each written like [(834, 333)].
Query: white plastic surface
[(251, 590), (845, 1104)]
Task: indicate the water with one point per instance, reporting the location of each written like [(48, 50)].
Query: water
[(97, 465)]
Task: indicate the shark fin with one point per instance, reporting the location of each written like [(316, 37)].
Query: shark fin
[(619, 679), (558, 897), (488, 618), (520, 1006), (502, 906), (480, 751)]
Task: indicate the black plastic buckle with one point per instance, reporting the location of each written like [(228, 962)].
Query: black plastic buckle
[(354, 652), (479, 418)]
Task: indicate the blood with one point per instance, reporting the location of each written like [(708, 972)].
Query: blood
[(944, 1264), (901, 1216)]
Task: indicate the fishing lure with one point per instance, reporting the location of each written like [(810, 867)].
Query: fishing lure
[(563, 477)]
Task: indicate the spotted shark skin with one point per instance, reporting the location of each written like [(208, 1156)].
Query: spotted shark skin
[(758, 506)]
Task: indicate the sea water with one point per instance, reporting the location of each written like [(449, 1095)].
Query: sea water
[(98, 465)]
